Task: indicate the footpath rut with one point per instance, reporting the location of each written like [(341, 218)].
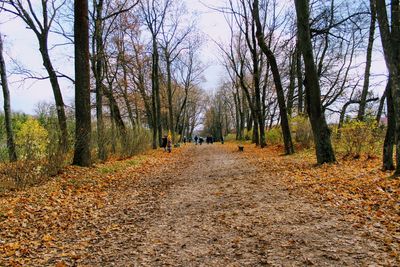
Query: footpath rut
[(216, 209)]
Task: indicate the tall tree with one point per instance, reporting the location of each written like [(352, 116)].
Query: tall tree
[(364, 92), (287, 138), (154, 13), (41, 27), (390, 37), (102, 14), (82, 85), (173, 34), (12, 154), (387, 160), (321, 132)]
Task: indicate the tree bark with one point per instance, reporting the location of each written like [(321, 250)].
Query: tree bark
[(154, 90), (364, 93), (292, 81), (300, 93), (98, 61), (390, 41), (169, 95), (321, 132), (12, 154), (277, 80), (387, 161), (82, 85), (381, 104), (62, 119)]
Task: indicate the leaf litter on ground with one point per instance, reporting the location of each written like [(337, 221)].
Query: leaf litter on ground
[(43, 221), (368, 196), (58, 218)]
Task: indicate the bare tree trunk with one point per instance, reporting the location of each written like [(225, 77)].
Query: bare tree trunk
[(390, 41), (390, 133), (12, 154), (125, 93), (115, 112), (292, 81), (113, 135), (321, 132), (364, 93), (169, 94), (300, 93), (62, 119), (277, 80), (154, 90), (82, 85), (98, 74), (382, 103)]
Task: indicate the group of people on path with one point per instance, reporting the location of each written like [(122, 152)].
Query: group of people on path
[(167, 141)]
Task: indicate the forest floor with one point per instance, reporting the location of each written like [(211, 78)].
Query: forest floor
[(206, 205)]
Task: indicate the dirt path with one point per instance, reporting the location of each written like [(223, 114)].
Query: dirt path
[(215, 209)]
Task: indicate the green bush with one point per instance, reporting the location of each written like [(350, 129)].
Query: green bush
[(274, 136), (135, 140), (302, 132)]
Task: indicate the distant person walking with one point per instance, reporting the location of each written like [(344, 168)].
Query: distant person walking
[(164, 142), (201, 140), (196, 138)]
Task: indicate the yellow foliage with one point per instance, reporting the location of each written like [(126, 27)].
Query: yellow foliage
[(357, 137), (32, 140)]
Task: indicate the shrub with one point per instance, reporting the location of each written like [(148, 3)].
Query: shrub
[(357, 137), (32, 140), (139, 139), (302, 131), (274, 136)]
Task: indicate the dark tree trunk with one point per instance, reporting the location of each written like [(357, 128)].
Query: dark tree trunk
[(156, 101), (381, 104), (292, 81), (82, 85), (249, 120), (390, 37), (256, 136), (154, 84), (169, 94), (62, 119), (277, 80), (125, 93), (300, 93), (321, 132), (12, 154), (390, 132), (237, 117), (115, 112), (113, 135), (97, 67), (364, 93)]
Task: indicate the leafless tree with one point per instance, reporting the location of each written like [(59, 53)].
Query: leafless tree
[(321, 132), (40, 18), (390, 37), (154, 13), (12, 154)]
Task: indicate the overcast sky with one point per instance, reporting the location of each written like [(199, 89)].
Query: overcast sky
[(21, 46)]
